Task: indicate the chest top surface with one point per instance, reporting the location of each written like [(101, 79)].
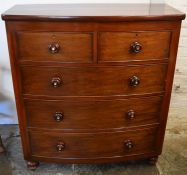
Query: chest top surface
[(93, 12)]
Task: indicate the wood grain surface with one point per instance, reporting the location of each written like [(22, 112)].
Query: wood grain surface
[(73, 47), (92, 114), (92, 81), (93, 12)]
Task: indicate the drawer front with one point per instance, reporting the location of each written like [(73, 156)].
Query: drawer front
[(133, 46), (88, 81), (101, 114), (51, 46), (88, 145)]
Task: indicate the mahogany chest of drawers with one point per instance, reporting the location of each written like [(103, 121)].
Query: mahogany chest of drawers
[(92, 82)]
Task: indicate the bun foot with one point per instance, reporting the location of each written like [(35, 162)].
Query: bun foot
[(32, 165), (153, 160)]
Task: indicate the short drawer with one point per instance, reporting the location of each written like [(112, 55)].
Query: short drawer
[(133, 46), (89, 145), (93, 81), (55, 46), (93, 114)]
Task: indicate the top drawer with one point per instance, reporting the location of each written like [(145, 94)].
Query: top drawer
[(133, 46), (55, 46)]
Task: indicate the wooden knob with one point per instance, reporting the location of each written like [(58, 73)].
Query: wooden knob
[(129, 144), (131, 114), (54, 48), (58, 116), (134, 81), (56, 82), (135, 47), (60, 146)]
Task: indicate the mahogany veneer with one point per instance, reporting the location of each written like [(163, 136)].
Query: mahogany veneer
[(114, 46), (92, 82), (77, 47), (101, 114)]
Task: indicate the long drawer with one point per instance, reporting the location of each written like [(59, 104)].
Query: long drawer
[(93, 81), (95, 114), (89, 145)]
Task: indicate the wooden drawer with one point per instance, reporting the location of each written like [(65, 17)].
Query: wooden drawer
[(55, 46), (122, 46), (88, 81), (95, 114), (92, 145)]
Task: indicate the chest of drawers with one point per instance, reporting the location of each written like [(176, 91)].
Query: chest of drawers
[(92, 82)]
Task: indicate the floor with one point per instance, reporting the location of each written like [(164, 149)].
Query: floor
[(173, 160)]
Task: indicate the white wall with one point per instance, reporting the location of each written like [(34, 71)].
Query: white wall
[(181, 66)]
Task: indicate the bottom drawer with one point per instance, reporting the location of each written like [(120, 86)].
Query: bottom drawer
[(92, 145)]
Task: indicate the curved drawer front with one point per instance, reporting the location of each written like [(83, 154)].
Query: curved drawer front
[(133, 46), (92, 145), (102, 114), (55, 46), (93, 81)]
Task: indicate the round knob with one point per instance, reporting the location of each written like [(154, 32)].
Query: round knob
[(58, 116), (135, 47), (56, 82), (54, 48), (134, 81), (60, 146), (130, 114), (129, 144)]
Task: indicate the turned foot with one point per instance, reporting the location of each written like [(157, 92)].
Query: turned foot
[(32, 165), (153, 160), (2, 148)]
